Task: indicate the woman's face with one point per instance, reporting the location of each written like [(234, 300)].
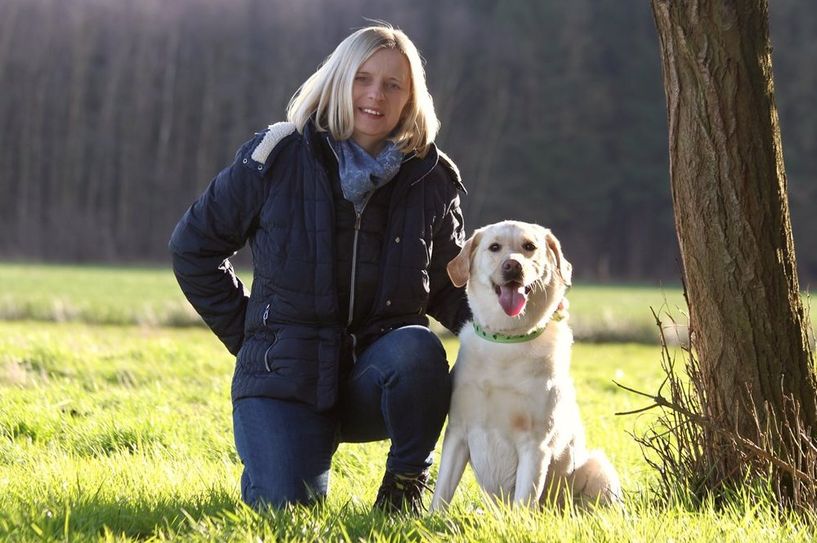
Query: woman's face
[(381, 89)]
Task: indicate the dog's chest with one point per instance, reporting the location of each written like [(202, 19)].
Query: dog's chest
[(513, 409), (503, 393)]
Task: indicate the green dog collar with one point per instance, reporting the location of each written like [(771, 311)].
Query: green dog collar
[(504, 338)]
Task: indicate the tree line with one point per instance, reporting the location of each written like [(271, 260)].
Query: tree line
[(115, 116)]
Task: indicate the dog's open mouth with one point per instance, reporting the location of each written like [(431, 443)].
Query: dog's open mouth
[(512, 297)]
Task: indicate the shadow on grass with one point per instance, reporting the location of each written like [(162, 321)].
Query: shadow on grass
[(216, 515), (88, 518), (347, 523)]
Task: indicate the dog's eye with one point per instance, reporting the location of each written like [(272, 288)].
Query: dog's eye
[(529, 246), (494, 247)]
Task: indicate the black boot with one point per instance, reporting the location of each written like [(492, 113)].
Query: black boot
[(402, 493)]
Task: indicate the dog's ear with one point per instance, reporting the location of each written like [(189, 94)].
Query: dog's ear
[(459, 269), (565, 268)]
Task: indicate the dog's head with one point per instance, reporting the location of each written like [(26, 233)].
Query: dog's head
[(513, 270)]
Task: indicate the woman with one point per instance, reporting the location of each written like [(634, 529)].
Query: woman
[(352, 215)]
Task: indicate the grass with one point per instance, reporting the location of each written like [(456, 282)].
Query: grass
[(114, 427), (605, 313), (93, 294), (123, 433), (150, 296)]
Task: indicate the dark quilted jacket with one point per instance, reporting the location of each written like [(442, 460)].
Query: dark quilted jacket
[(291, 335)]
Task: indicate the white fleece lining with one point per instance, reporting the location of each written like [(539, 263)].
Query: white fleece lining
[(275, 133)]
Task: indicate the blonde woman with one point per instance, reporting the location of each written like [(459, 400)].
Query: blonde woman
[(352, 215)]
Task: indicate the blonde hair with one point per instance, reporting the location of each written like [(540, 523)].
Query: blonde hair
[(327, 94)]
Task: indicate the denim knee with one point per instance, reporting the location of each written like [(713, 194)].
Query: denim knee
[(399, 388), (416, 351), (416, 397)]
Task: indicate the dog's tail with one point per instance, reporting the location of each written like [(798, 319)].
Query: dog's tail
[(596, 481)]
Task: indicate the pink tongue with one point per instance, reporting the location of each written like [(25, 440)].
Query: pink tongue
[(512, 298)]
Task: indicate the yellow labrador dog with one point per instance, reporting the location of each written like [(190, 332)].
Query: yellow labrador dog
[(513, 408)]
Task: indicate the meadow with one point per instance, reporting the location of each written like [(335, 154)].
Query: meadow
[(150, 297), (115, 426)]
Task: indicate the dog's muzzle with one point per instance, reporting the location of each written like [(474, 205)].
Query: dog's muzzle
[(512, 271)]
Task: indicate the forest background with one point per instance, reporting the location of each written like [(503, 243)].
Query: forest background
[(115, 115)]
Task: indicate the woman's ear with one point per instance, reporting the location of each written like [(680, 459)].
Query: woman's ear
[(459, 269)]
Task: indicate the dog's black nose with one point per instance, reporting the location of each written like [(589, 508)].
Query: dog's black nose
[(511, 267)]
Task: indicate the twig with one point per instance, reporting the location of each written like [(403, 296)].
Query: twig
[(635, 411), (660, 401), (634, 391)]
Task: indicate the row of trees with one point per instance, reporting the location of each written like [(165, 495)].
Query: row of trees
[(115, 115)]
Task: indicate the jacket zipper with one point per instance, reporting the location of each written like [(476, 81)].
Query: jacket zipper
[(350, 316), (352, 286), (358, 220)]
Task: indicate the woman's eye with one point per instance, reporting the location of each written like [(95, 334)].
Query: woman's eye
[(529, 246), (494, 247)]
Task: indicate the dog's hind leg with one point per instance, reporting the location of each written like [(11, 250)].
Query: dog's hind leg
[(452, 464), (596, 481)]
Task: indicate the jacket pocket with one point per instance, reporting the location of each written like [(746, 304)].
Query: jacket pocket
[(289, 363)]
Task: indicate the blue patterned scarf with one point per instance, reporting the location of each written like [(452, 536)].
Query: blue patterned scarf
[(361, 173)]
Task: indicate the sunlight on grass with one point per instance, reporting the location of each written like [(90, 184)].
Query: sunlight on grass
[(124, 433), (113, 427), (94, 294), (150, 296)]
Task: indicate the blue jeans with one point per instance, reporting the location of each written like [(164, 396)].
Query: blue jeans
[(399, 389)]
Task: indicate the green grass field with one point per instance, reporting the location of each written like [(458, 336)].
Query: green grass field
[(123, 432), (150, 296)]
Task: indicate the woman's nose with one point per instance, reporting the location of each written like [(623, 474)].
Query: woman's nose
[(376, 92)]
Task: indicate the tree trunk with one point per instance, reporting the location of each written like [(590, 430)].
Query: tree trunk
[(731, 212)]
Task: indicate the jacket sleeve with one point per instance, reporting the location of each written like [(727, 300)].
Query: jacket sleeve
[(447, 303), (211, 231)]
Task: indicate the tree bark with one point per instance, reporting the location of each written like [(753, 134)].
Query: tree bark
[(729, 194)]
